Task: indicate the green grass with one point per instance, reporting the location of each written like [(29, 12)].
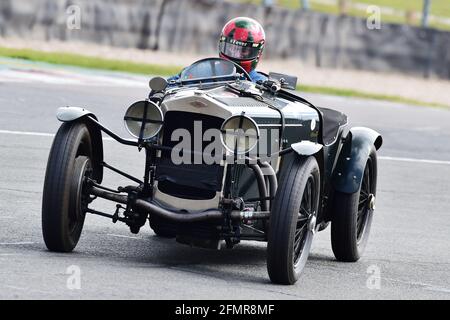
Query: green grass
[(439, 8), (77, 60), (88, 62), (365, 95)]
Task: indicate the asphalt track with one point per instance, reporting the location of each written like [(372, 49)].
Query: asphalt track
[(408, 248)]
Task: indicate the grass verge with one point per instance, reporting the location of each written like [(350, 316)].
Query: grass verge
[(438, 8), (88, 62), (166, 70), (365, 95)]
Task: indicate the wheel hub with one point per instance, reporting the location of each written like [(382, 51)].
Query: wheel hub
[(312, 223), (79, 201), (371, 202)]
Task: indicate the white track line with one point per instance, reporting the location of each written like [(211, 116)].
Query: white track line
[(24, 133), (427, 161), (38, 134), (415, 160), (59, 77), (121, 236), (15, 243)]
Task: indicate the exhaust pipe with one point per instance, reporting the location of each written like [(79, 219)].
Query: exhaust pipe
[(152, 208), (179, 217)]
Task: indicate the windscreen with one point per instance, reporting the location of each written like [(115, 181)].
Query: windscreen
[(208, 68)]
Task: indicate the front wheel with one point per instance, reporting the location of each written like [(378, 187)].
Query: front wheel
[(293, 220), (64, 200)]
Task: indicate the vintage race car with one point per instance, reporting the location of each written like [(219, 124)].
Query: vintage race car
[(227, 160)]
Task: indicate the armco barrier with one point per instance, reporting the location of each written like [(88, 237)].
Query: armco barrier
[(194, 26)]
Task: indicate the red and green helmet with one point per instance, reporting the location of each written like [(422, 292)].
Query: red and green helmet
[(242, 41)]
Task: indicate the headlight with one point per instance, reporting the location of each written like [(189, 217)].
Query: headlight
[(143, 119), (239, 134)]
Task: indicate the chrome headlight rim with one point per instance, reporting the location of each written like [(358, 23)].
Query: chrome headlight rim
[(223, 130), (160, 122)]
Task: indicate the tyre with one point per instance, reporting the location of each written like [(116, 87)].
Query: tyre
[(353, 214), (161, 230), (64, 200), (293, 220)]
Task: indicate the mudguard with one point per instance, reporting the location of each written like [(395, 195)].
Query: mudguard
[(69, 114), (348, 173), (307, 148)]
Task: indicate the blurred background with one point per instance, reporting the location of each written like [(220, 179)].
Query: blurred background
[(394, 50), (386, 64), (432, 13)]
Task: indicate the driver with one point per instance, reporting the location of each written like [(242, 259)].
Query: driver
[(242, 41)]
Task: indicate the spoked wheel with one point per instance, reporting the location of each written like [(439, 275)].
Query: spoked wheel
[(305, 224), (366, 204), (353, 215), (293, 220), (65, 197)]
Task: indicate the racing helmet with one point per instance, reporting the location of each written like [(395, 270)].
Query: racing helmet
[(242, 41)]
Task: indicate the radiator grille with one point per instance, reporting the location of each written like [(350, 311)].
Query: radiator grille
[(188, 181)]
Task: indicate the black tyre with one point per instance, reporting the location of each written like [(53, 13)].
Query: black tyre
[(353, 214), (161, 230), (293, 220), (64, 200)]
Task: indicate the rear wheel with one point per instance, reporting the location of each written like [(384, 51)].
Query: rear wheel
[(353, 213), (293, 220), (64, 198)]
